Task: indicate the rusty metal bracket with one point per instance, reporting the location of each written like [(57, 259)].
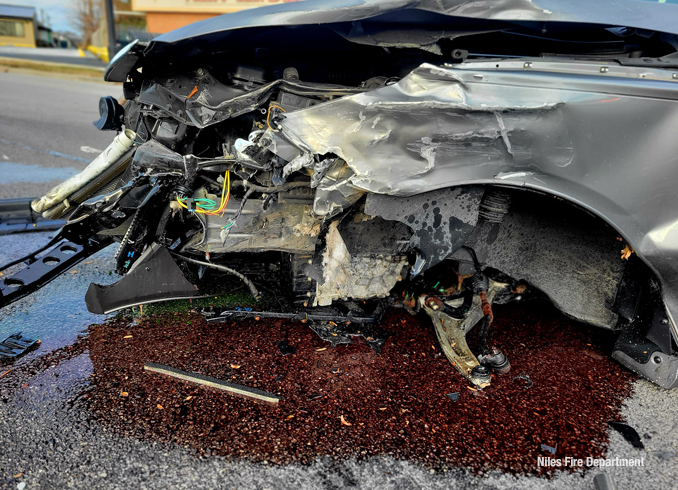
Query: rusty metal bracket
[(451, 332), (452, 339)]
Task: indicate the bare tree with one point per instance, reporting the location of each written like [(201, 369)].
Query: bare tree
[(88, 15)]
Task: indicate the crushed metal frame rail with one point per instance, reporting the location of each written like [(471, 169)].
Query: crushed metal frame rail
[(43, 266)]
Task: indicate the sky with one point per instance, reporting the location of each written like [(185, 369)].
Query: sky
[(59, 12)]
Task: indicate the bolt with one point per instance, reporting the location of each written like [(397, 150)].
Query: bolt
[(527, 64), (657, 360), (665, 321), (308, 294), (675, 76), (604, 69)]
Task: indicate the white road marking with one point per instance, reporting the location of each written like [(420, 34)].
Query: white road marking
[(89, 149)]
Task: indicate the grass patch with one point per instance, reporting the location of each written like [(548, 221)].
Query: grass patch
[(226, 300), (228, 292)]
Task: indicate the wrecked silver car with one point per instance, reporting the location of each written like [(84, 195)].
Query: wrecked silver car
[(438, 156)]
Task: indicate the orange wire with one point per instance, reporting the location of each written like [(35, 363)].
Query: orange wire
[(268, 116)]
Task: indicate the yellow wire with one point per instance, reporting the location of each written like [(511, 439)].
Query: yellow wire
[(225, 195)]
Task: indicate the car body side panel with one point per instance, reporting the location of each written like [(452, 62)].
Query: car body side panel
[(606, 143)]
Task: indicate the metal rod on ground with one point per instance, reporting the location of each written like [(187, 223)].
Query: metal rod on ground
[(201, 379), (213, 316)]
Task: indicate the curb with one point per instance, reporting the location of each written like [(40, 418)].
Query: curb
[(52, 67)]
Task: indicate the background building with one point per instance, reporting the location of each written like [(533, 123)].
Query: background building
[(19, 26), (167, 15)]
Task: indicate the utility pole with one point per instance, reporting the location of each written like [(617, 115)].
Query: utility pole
[(110, 28)]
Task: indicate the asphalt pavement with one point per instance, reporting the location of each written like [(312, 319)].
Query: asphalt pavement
[(46, 131), (49, 440)]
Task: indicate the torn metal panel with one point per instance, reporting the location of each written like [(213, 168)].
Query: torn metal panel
[(441, 220), (432, 124), (565, 134), (334, 190), (347, 276), (154, 277)]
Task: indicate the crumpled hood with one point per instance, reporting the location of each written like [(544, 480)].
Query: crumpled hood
[(345, 16), (629, 13)]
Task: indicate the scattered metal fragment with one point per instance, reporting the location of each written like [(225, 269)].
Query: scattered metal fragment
[(285, 348), (528, 381), (550, 449), (337, 334), (628, 432), (604, 481), (235, 389), (16, 345), (453, 396)]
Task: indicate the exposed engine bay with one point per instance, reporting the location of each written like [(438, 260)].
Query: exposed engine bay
[(392, 164)]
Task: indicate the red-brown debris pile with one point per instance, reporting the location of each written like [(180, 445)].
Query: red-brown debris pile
[(348, 401)]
